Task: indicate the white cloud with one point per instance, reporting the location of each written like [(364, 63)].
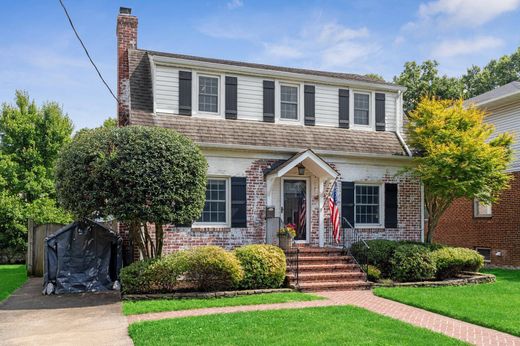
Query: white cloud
[(323, 45), (469, 13), (452, 48), (235, 4)]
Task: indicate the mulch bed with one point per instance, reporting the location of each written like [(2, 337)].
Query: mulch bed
[(465, 278)]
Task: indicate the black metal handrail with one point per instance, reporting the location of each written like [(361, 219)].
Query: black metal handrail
[(356, 237), (293, 261)]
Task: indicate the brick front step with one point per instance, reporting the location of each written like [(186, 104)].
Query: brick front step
[(322, 260), (327, 267), (327, 276), (334, 285), (308, 252)]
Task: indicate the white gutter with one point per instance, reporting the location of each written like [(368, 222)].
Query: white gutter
[(403, 143), (263, 72)]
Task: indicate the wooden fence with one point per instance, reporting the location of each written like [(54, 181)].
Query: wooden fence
[(35, 246)]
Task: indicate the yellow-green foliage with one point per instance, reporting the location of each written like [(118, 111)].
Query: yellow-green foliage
[(264, 266), (455, 157), (211, 268), (451, 261)]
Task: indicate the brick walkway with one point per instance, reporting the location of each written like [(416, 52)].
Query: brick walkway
[(457, 329)]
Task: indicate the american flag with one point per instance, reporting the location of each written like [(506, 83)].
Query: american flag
[(302, 215), (334, 214)]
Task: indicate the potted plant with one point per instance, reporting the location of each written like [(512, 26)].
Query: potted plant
[(286, 235)]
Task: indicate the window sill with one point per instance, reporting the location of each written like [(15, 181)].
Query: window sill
[(369, 226), (211, 228)]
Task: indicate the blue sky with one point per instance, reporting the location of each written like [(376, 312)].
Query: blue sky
[(41, 55)]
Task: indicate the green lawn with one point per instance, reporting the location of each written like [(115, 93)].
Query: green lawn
[(338, 325), (12, 276), (495, 305), (145, 306)]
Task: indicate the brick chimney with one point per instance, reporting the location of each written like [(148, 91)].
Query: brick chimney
[(126, 39)]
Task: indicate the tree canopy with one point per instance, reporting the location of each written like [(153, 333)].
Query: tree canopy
[(138, 175), (30, 140), (457, 156)]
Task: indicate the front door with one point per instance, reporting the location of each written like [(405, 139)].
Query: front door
[(294, 206)]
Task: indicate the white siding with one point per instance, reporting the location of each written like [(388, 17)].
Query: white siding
[(327, 105), (390, 119), (507, 119), (250, 98), (166, 89)]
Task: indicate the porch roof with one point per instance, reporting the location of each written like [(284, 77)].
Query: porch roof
[(310, 160)]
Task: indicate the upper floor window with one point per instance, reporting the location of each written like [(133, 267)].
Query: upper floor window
[(289, 102), (208, 94), (361, 109), (482, 209), (215, 208), (367, 204)]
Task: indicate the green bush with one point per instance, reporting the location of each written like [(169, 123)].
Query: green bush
[(451, 261), (373, 274), (379, 253), (412, 263), (211, 268), (135, 278), (429, 246), (264, 266)]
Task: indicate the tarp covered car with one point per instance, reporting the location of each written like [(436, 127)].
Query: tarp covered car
[(84, 256)]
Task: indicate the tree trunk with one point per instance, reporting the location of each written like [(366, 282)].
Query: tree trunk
[(436, 207), (159, 239)]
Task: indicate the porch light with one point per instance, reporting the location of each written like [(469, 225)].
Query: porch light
[(301, 169)]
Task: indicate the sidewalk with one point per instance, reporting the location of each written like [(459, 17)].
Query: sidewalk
[(365, 299)]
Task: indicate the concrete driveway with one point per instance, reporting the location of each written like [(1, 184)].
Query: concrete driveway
[(29, 318)]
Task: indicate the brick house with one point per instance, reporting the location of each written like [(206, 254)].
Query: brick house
[(277, 140), (493, 230)]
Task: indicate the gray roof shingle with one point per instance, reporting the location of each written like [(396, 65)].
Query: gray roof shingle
[(504, 90)]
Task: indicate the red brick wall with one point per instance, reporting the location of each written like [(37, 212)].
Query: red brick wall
[(126, 32), (501, 232)]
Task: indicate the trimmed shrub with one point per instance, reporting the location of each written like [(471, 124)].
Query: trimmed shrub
[(451, 261), (379, 253), (373, 274), (211, 268), (412, 263), (429, 246), (264, 266), (135, 277)]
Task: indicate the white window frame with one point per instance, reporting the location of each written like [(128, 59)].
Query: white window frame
[(371, 110), (195, 95), (477, 214), (228, 205), (381, 206), (278, 101)]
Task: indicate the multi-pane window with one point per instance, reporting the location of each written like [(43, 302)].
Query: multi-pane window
[(482, 209), (289, 102), (208, 94), (215, 207), (367, 204), (361, 109)]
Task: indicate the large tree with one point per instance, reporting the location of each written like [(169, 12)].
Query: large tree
[(138, 175), (457, 156), (424, 81), (30, 139)]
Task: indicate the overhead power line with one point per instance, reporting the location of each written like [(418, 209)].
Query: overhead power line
[(86, 51)]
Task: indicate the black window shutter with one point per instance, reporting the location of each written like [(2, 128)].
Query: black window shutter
[(238, 202), (269, 101), (390, 205), (185, 92), (344, 108), (380, 112), (231, 97), (309, 109), (347, 203)]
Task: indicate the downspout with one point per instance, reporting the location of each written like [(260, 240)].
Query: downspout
[(398, 123)]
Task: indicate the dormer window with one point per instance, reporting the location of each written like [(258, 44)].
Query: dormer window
[(361, 109), (208, 94), (289, 102)]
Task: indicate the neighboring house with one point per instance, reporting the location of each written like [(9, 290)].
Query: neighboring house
[(493, 230), (276, 139)]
